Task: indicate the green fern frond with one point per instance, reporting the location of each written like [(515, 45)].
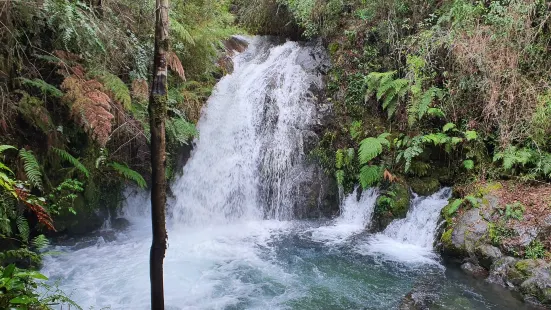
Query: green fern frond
[(179, 31), (45, 88), (31, 167), (23, 228), (129, 174), (6, 147), (40, 242), (370, 175), (369, 149), (71, 159), (5, 168), (339, 175), (339, 159)]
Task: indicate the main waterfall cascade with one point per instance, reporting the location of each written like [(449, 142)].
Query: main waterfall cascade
[(249, 159), (233, 239)]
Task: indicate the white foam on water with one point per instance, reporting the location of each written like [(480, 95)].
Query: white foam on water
[(355, 218), (410, 240)]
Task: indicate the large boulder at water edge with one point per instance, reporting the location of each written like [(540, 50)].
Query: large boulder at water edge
[(392, 203), (504, 232)]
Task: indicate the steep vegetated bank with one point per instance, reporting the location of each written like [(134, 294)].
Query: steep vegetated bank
[(74, 79), (437, 93)]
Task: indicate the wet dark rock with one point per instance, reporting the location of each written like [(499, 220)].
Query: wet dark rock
[(470, 229), (499, 269), (424, 186), (120, 223), (385, 213), (487, 255), (474, 270), (422, 296)]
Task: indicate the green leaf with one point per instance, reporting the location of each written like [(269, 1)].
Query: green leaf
[(22, 300), (369, 149), (468, 164), (129, 174), (370, 175), (448, 127), (31, 167), (71, 159), (8, 271), (6, 147), (436, 112), (471, 135), (472, 200), (454, 206)]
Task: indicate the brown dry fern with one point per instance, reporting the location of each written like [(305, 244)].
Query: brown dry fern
[(90, 107)]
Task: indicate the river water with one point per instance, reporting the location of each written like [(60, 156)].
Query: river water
[(233, 239)]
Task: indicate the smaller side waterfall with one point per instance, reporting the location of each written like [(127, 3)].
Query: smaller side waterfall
[(419, 226), (411, 239), (355, 217)]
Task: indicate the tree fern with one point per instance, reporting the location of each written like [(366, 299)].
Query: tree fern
[(31, 167), (419, 105), (45, 88), (129, 174), (71, 159), (370, 175)]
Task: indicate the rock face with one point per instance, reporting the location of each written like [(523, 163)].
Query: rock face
[(318, 192), (494, 244)]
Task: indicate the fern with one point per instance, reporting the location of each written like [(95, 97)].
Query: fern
[(471, 135), (31, 167), (454, 206), (179, 130), (372, 147), (419, 105), (117, 89), (129, 174), (71, 159), (468, 164), (370, 175), (512, 157), (6, 147), (386, 87), (448, 127), (23, 228), (45, 88), (339, 159), (40, 242), (339, 175)]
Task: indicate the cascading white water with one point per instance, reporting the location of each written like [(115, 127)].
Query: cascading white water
[(230, 244), (411, 239), (247, 161), (355, 217)]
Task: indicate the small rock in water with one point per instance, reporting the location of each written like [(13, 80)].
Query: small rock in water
[(474, 270)]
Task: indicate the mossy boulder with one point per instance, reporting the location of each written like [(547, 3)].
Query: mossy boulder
[(393, 203), (424, 186)]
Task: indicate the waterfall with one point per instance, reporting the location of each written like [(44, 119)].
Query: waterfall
[(411, 239), (355, 217), (249, 157)]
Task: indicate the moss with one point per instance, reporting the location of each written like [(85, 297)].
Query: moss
[(392, 204), (446, 238), (333, 48), (488, 189), (424, 186), (524, 266)]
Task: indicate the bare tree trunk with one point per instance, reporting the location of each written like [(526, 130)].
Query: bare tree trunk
[(157, 114)]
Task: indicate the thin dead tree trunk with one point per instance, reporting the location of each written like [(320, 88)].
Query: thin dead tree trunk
[(157, 114)]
